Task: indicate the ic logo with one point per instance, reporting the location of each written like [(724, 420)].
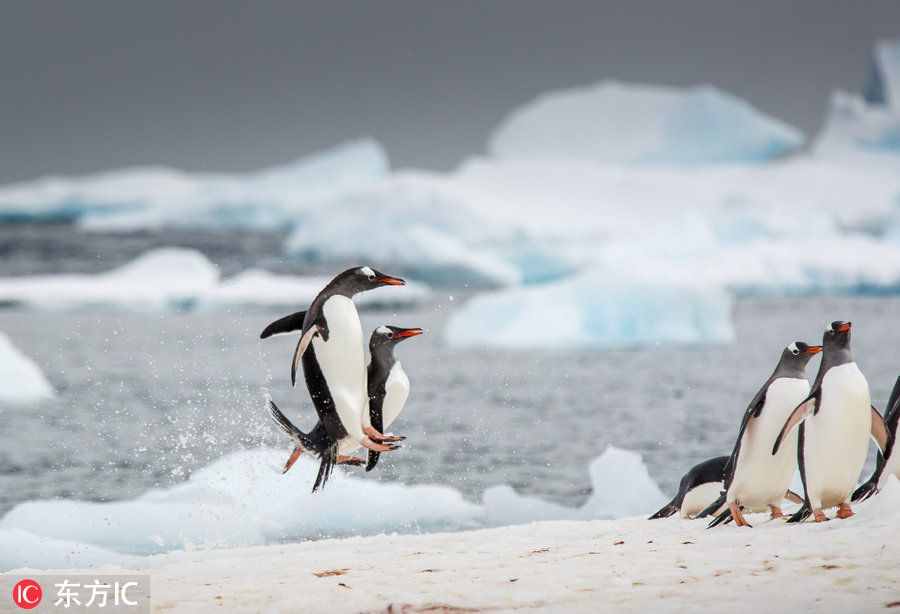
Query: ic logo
[(27, 594)]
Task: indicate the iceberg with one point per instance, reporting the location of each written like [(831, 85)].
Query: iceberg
[(593, 310), (883, 86), (621, 123), (21, 380), (160, 278), (243, 499), (154, 197)]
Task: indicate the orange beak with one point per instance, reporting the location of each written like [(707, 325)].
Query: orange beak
[(387, 280), (843, 328), (408, 332), (814, 349)]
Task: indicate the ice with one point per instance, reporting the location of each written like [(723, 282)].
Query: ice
[(242, 499), (154, 196), (624, 123), (21, 379), (23, 549), (886, 73), (592, 310), (257, 287), (160, 278)]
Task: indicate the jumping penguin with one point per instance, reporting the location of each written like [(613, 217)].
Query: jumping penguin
[(889, 462), (835, 422), (335, 370), (754, 478)]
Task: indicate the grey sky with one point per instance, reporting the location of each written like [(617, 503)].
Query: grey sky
[(218, 85)]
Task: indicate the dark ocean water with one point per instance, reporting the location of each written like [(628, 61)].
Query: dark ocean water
[(145, 399)]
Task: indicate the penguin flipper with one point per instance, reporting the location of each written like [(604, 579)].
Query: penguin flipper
[(713, 507), (285, 325), (793, 497), (800, 413), (865, 490), (377, 418), (302, 346), (328, 459), (880, 433)]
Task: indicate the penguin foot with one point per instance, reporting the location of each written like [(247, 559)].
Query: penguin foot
[(844, 511), (776, 512), (378, 447), (738, 516), (350, 460), (820, 516), (292, 459), (374, 435)]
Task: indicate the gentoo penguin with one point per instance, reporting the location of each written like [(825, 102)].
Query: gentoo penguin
[(698, 488), (835, 421), (887, 463), (334, 369), (388, 389), (755, 478), (387, 381)]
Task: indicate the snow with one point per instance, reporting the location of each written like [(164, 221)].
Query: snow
[(622, 123), (153, 197), (242, 500), (623, 565), (592, 310), (21, 379), (159, 278)]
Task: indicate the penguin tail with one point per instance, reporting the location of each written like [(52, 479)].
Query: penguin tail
[(327, 461), (713, 507), (864, 491), (800, 515), (667, 510), (288, 427), (723, 518), (373, 460)]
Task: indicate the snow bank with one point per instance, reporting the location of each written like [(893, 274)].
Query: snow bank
[(623, 123), (242, 499), (21, 380), (592, 310), (154, 197), (159, 278)]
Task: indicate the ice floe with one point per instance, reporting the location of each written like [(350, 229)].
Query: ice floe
[(21, 379)]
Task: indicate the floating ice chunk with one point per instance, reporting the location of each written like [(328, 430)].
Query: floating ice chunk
[(625, 123), (593, 310), (20, 549), (153, 197), (262, 288), (21, 380), (159, 278), (854, 127)]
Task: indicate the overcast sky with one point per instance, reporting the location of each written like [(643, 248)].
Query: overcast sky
[(218, 85)]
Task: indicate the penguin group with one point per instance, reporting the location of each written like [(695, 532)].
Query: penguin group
[(821, 430), (355, 403)]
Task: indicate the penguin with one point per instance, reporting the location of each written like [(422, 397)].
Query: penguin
[(388, 388), (835, 421), (888, 463), (331, 351), (387, 381), (697, 489), (754, 478)]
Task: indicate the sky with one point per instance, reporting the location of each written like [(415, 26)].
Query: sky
[(230, 86)]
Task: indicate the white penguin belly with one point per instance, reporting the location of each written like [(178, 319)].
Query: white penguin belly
[(342, 361), (699, 498), (761, 479), (396, 392), (837, 437)]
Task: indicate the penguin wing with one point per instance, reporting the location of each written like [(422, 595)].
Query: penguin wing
[(753, 411), (302, 346), (285, 325), (376, 415), (880, 433), (806, 408)]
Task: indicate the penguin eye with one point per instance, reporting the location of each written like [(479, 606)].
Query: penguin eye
[(390, 335), (795, 352), (371, 277)]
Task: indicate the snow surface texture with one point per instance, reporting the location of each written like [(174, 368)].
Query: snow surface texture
[(243, 500), (625, 565), (21, 380), (593, 310), (178, 278), (622, 123), (154, 197)]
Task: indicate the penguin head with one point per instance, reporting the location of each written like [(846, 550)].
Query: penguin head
[(837, 334), (362, 278), (389, 336), (799, 352)]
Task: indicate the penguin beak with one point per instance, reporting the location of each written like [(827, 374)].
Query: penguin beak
[(814, 349), (843, 327), (387, 280), (408, 332)]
